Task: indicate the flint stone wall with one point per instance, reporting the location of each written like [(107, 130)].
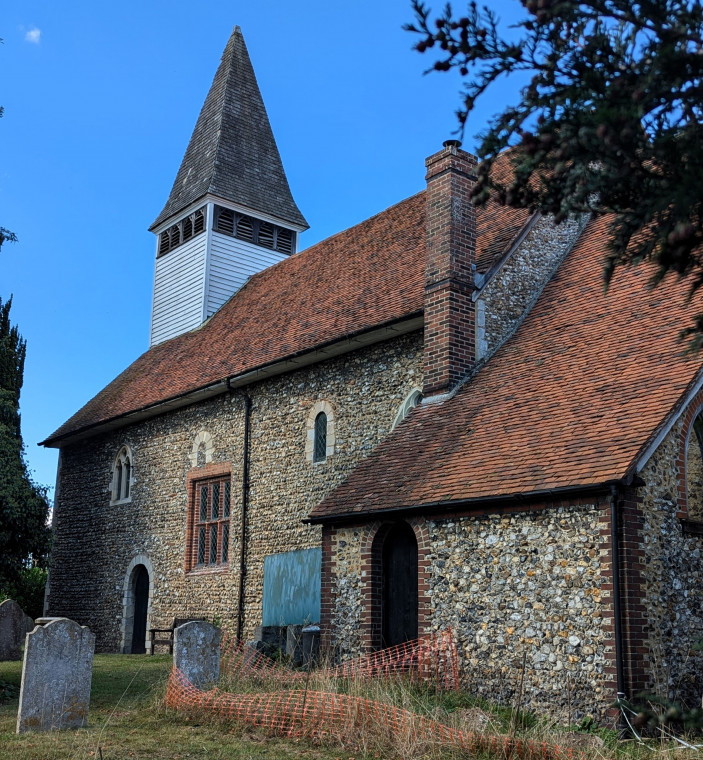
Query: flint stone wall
[(527, 584), (56, 675), (14, 626), (95, 541), (520, 279), (196, 653), (673, 581)]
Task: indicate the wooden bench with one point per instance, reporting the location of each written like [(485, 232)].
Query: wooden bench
[(167, 640)]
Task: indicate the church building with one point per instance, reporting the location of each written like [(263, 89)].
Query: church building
[(434, 419)]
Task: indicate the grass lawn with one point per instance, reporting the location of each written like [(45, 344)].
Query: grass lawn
[(128, 721)]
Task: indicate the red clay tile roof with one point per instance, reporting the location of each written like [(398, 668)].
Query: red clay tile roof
[(364, 277), (570, 400), (497, 227)]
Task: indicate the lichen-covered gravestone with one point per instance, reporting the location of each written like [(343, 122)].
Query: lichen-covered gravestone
[(14, 626), (196, 653), (56, 672)]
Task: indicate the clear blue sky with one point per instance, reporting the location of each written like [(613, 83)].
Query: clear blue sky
[(100, 100)]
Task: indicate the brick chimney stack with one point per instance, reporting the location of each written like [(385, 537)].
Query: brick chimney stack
[(450, 334)]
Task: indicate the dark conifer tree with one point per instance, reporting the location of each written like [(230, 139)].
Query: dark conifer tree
[(24, 534)]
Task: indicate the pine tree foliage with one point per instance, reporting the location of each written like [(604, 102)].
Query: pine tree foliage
[(609, 121), (24, 509), (24, 534)]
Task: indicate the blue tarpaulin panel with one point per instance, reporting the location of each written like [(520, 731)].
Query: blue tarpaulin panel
[(292, 587)]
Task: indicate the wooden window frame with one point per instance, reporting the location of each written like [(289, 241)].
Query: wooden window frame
[(203, 524)]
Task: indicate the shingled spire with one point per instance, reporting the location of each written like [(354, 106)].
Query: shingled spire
[(230, 213), (232, 153)]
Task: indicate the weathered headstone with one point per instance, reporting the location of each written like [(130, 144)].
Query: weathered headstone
[(196, 653), (14, 626), (56, 673)]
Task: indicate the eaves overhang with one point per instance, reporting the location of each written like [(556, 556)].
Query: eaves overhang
[(495, 503), (210, 198), (336, 347)]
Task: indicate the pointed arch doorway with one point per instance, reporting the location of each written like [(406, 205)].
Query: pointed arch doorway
[(399, 600)]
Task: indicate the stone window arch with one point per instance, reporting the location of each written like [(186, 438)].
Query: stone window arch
[(123, 479), (203, 448), (410, 402), (320, 432), (694, 469)]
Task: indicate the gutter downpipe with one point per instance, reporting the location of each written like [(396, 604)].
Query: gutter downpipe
[(245, 505), (615, 550)]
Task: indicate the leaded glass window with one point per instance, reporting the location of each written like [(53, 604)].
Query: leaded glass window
[(121, 486), (211, 512), (225, 504), (225, 542), (320, 450)]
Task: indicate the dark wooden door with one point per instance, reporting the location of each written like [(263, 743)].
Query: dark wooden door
[(399, 586), (141, 605)]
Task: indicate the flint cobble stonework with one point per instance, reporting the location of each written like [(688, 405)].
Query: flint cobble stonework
[(96, 541), (526, 585), (673, 572), (511, 586), (514, 287)]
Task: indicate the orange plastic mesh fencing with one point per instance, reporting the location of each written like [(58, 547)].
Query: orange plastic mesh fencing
[(327, 715), (431, 658)]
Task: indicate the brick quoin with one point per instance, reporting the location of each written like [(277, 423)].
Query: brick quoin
[(372, 538), (450, 331)]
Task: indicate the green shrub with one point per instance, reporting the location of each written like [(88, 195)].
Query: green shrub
[(27, 591)]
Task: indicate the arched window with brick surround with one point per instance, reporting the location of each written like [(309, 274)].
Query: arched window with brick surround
[(694, 470), (122, 476)]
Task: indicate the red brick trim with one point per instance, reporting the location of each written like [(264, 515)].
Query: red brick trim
[(327, 580), (372, 579), (695, 407), (193, 477), (607, 600)]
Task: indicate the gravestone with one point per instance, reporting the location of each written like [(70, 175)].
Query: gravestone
[(196, 653), (14, 626), (56, 672)]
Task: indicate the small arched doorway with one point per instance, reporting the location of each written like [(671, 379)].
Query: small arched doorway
[(399, 586), (140, 598)]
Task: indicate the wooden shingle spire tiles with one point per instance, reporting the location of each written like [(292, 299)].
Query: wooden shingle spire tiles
[(232, 153)]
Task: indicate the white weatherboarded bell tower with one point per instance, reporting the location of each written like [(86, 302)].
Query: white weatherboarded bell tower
[(230, 213)]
